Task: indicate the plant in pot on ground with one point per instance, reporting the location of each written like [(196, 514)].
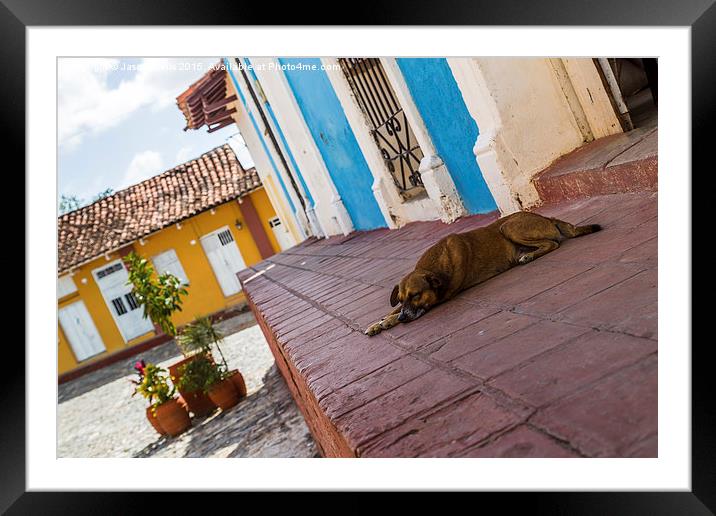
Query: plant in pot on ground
[(205, 375), (199, 337), (151, 417), (154, 385), (159, 295)]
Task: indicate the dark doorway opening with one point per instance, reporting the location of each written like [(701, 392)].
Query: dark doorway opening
[(637, 79)]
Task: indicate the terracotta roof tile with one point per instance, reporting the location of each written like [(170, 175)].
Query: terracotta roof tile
[(186, 190)]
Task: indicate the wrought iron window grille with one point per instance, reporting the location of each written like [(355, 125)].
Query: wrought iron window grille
[(389, 124)]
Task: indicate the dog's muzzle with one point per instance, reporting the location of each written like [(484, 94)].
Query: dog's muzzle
[(409, 314)]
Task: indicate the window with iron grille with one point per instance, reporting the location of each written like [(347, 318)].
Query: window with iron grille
[(131, 301), (389, 125), (118, 305), (225, 237)]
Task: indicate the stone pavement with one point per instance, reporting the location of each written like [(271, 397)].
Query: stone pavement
[(98, 417), (555, 358)]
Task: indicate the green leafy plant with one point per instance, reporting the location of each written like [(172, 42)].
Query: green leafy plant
[(153, 384), (160, 295), (199, 337), (201, 374)]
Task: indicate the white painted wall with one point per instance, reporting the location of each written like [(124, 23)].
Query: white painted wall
[(328, 206), (296, 224), (525, 122)]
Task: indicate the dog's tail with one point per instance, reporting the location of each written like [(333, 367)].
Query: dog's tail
[(572, 231)]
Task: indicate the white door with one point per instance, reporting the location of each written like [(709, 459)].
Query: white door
[(225, 258), (80, 331), (281, 233), (127, 313)]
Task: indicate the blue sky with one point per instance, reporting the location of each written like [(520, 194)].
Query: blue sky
[(118, 122)]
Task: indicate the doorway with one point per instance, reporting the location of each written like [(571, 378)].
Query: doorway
[(636, 80), (80, 330), (281, 233), (225, 259)]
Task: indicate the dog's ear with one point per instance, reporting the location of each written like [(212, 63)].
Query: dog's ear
[(394, 296), (436, 281)]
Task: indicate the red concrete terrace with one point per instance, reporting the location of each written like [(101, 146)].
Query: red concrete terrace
[(556, 358)]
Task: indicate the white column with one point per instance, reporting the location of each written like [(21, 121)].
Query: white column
[(433, 171), (328, 206)]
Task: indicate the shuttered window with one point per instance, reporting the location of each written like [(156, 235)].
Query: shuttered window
[(65, 286), (168, 262)]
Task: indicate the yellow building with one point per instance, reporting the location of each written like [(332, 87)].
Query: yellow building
[(203, 221)]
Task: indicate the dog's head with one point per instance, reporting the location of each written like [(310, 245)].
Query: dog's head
[(418, 292)]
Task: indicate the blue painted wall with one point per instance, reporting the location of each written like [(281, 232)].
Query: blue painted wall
[(452, 129), (229, 67), (335, 141)]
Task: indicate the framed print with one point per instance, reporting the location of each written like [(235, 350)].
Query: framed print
[(427, 245)]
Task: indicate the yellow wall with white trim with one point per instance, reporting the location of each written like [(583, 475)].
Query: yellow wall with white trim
[(205, 295)]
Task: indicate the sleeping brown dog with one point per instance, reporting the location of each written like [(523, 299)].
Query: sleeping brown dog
[(461, 260)]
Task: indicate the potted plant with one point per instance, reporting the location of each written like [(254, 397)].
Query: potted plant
[(198, 338), (154, 385), (161, 296), (151, 417), (211, 378)]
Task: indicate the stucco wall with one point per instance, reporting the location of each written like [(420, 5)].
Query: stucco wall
[(524, 118), (452, 130), (336, 142), (328, 205), (281, 198)]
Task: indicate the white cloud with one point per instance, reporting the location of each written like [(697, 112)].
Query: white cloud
[(143, 166), (88, 104), (185, 154)]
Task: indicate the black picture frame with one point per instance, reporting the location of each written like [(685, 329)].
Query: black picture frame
[(16, 15)]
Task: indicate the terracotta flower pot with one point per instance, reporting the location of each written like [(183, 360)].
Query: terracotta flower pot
[(173, 418), (155, 422), (224, 394), (197, 402), (237, 378)]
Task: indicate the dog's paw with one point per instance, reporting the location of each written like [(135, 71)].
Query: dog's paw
[(374, 329), (525, 258)]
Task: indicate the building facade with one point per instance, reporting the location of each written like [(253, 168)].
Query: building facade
[(202, 221), (362, 143)]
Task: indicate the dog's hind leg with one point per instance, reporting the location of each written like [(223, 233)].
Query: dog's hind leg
[(385, 323), (532, 231), (543, 247)]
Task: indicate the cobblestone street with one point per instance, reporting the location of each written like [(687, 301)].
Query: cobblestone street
[(98, 417)]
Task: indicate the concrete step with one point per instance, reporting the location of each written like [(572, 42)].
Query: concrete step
[(620, 163)]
